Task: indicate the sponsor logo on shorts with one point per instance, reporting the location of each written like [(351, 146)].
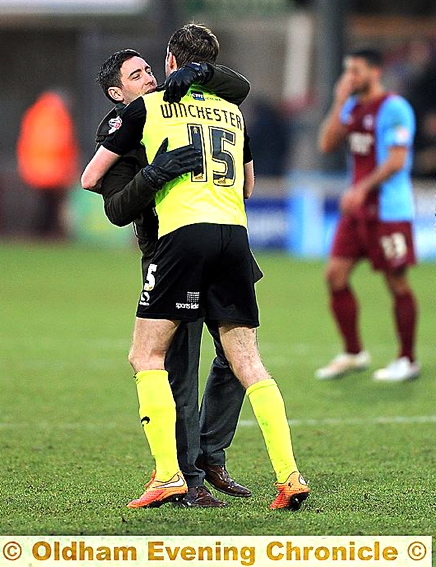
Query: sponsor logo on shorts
[(145, 298), (192, 301), (187, 305)]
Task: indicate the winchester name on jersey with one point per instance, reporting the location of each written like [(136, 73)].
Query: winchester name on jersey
[(373, 128), (213, 194), (216, 127)]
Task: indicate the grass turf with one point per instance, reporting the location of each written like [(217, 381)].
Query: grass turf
[(72, 451)]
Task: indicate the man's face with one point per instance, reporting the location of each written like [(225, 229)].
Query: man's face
[(137, 79), (361, 75)]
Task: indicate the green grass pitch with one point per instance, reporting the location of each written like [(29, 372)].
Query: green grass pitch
[(72, 451)]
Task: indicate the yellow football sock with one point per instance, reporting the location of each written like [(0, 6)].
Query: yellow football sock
[(269, 409), (157, 412)]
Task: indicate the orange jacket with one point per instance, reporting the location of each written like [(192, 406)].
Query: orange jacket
[(47, 151)]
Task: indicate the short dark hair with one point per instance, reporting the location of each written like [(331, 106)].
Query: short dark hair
[(110, 71), (194, 42), (373, 57)]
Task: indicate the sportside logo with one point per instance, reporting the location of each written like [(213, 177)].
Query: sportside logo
[(187, 305), (192, 301)]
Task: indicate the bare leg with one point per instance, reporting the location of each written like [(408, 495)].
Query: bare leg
[(241, 350), (157, 410), (151, 340), (240, 347)]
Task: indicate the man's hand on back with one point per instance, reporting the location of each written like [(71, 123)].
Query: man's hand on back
[(177, 84)]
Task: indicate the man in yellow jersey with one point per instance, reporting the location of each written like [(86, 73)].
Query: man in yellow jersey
[(202, 437), (202, 265)]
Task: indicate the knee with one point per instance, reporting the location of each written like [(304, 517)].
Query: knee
[(135, 360), (141, 360), (138, 360), (398, 284), (335, 278), (400, 291), (249, 372)]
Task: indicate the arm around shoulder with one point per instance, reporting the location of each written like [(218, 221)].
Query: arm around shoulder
[(125, 191), (102, 160)]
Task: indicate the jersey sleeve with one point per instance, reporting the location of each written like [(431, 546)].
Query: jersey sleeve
[(128, 136), (125, 192), (104, 127), (398, 122), (346, 110), (248, 156)]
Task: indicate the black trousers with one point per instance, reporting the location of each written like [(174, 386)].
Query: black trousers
[(206, 433)]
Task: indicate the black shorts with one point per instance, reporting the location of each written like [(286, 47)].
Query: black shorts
[(201, 270)]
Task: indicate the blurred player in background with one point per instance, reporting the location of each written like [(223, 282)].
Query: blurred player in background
[(377, 210), (202, 264), (128, 197)]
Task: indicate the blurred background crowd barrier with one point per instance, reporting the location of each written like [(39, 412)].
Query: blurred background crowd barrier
[(291, 50)]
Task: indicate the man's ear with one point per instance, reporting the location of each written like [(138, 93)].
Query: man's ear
[(171, 62), (116, 94)]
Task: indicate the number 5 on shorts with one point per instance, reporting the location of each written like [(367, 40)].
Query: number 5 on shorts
[(150, 280)]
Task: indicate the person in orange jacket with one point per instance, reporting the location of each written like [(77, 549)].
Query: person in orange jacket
[(48, 158)]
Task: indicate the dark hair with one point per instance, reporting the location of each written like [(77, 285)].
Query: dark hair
[(193, 42), (373, 57), (110, 72)]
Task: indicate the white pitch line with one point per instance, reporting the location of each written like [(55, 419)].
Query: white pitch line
[(399, 419), (352, 421)]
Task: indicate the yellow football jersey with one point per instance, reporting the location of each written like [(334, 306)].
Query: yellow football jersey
[(216, 127)]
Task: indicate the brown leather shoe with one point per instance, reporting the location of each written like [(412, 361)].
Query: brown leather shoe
[(199, 497), (219, 478)]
